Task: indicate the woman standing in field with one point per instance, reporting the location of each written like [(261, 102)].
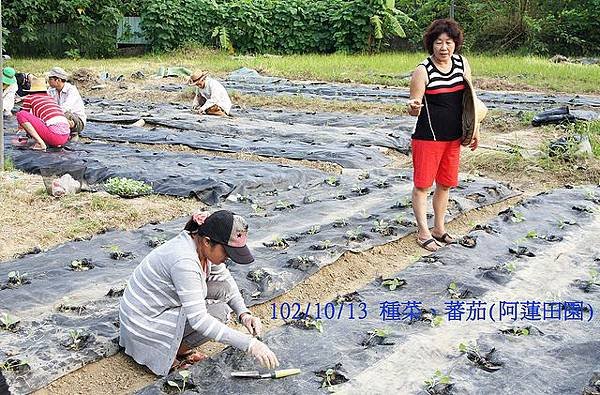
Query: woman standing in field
[(436, 97)]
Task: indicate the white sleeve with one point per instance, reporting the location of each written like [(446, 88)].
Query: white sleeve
[(8, 98)]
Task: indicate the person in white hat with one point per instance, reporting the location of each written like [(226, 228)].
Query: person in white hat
[(211, 97), (68, 98), (437, 98)]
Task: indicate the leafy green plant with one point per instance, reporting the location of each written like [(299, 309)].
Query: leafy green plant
[(14, 365), (185, 376), (434, 382), (126, 187), (117, 253), (283, 205), (313, 230), (307, 322), (517, 217), (532, 234), (77, 339), (456, 293), (80, 265), (277, 243), (16, 278), (156, 241), (355, 234), (257, 210), (8, 322), (323, 245), (393, 283), (332, 181), (340, 223), (377, 337), (220, 34)]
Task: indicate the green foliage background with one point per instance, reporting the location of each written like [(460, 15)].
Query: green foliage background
[(88, 27)]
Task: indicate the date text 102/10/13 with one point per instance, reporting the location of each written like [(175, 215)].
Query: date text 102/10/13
[(328, 311)]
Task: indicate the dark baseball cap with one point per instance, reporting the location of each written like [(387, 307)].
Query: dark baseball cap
[(230, 230)]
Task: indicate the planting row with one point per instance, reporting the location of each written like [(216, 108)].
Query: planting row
[(293, 234), (540, 253)]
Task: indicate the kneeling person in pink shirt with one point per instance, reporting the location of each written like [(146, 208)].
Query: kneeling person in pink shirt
[(42, 118)]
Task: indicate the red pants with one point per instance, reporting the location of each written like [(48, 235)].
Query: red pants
[(53, 135), (435, 160)]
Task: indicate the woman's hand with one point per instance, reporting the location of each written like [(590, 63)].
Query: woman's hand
[(474, 141), (251, 323), (263, 354), (414, 107)]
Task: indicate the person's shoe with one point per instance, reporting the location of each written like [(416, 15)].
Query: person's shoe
[(430, 245), (445, 238)]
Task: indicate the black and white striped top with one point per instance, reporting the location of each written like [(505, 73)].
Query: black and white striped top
[(441, 116)]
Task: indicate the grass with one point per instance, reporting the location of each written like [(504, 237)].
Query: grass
[(9, 165), (29, 218), (386, 68)]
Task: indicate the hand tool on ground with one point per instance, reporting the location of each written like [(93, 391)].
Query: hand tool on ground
[(276, 374)]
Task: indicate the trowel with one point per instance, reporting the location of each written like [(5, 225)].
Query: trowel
[(276, 374)]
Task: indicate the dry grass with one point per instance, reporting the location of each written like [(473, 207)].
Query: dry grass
[(29, 217)]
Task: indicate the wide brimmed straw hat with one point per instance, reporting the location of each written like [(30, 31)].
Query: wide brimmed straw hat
[(194, 78), (474, 111), (37, 85)]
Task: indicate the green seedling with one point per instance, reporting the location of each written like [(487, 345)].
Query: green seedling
[(277, 243), (284, 205), (340, 223), (382, 184), (482, 361), (332, 377), (14, 365), (16, 278), (456, 293), (405, 202), (332, 181), (185, 376), (117, 253), (563, 223), (517, 217), (532, 234), (307, 322), (157, 241), (516, 331), (78, 338), (383, 227), (376, 337), (257, 209), (393, 283), (257, 275), (313, 230), (126, 187), (323, 245), (329, 377), (594, 277), (364, 175), (437, 321), (8, 322), (355, 234), (510, 267), (432, 384), (80, 265)]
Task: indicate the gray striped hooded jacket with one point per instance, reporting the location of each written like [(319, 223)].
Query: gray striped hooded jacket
[(167, 288)]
